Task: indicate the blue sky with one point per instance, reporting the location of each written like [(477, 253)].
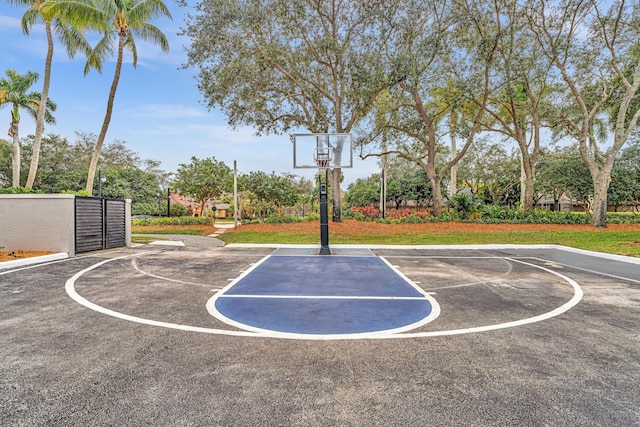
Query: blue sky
[(158, 110)]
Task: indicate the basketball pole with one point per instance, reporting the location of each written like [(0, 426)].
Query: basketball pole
[(324, 213)]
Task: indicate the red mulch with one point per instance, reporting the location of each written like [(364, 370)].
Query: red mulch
[(12, 256)]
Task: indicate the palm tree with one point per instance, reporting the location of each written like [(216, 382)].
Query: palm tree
[(120, 20), (13, 92), (72, 39)]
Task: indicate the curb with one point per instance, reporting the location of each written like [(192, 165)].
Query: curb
[(33, 260)]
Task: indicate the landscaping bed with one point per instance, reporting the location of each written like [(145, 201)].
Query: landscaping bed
[(14, 255)]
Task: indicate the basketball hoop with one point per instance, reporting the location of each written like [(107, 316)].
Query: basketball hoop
[(323, 157)]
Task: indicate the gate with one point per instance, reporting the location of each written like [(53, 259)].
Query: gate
[(99, 224)]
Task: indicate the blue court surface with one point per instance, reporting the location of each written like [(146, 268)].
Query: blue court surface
[(326, 295)]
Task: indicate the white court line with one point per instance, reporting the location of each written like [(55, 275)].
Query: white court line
[(71, 291), (337, 297), (577, 297), (394, 334), (134, 263), (613, 276)]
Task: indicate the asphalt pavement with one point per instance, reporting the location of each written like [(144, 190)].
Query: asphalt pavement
[(532, 337)]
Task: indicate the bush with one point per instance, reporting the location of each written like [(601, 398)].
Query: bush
[(146, 209), (19, 190), (465, 206), (275, 219), (623, 218), (496, 214), (365, 213), (179, 220)]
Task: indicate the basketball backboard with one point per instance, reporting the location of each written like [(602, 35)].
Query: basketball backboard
[(322, 150)]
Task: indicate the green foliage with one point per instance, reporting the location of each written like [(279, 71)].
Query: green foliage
[(497, 215), (623, 217), (465, 206), (178, 210), (181, 220), (203, 180), (83, 193), (19, 190), (275, 219), (270, 193), (364, 191)]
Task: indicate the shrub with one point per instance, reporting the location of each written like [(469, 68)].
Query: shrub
[(465, 206), (275, 219), (400, 213), (19, 190), (623, 218), (365, 213), (179, 220)]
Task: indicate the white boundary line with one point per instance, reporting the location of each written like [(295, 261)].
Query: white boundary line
[(70, 288), (577, 297), (135, 265), (621, 258), (71, 291)]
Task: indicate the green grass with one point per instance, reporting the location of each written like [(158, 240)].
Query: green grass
[(144, 239), (622, 243)]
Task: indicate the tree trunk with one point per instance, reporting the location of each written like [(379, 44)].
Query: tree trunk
[(453, 187), (437, 196), (107, 118), (15, 155), (600, 187), (37, 140)]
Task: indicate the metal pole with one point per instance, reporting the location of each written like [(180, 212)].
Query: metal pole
[(168, 202), (324, 214), (235, 194)]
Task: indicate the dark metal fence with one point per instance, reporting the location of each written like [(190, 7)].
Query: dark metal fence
[(100, 224)]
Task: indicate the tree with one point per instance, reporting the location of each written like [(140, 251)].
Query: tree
[(279, 65), (596, 54), (436, 39), (72, 39), (272, 191), (364, 191), (625, 178), (521, 85), (489, 169), (563, 172), (13, 92), (121, 22), (203, 180), (5, 163)]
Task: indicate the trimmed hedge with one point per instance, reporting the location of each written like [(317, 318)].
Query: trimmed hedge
[(179, 220)]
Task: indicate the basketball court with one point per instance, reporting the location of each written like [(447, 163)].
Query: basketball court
[(356, 293), (280, 335), (257, 335)]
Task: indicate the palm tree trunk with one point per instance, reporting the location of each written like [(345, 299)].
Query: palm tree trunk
[(37, 140), (107, 118), (15, 157)]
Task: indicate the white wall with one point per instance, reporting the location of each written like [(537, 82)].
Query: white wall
[(37, 222)]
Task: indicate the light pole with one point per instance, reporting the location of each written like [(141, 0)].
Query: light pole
[(168, 202)]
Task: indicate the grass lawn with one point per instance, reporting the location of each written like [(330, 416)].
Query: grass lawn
[(616, 239)]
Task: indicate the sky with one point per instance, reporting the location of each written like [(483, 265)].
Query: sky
[(158, 109)]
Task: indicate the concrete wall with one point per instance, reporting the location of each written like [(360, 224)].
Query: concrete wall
[(37, 222), (42, 222)]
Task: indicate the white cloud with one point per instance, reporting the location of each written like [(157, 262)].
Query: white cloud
[(9, 23)]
